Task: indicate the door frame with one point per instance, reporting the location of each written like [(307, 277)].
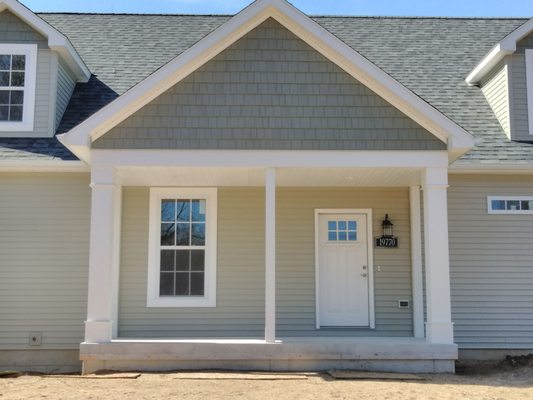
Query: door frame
[(370, 255)]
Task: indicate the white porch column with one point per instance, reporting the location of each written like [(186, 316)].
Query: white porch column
[(104, 252), (439, 327), (416, 262), (270, 255)]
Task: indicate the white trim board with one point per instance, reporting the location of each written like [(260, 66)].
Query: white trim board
[(56, 40), (503, 48), (79, 139), (43, 166), (370, 255), (270, 158)]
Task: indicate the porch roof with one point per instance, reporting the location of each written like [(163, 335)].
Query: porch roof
[(123, 54)]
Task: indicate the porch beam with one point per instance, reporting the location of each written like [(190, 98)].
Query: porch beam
[(270, 158), (416, 262), (270, 255), (439, 327), (104, 251)]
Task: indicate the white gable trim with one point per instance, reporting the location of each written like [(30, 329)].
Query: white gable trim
[(505, 47), (79, 139), (56, 40)]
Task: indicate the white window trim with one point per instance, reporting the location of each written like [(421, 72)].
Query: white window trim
[(529, 85), (516, 212), (209, 298), (30, 81)]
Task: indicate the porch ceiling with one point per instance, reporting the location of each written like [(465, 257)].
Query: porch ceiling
[(210, 176)]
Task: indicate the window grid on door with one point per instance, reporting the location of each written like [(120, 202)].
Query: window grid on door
[(342, 231)]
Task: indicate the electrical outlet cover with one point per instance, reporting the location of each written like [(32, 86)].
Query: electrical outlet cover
[(35, 338)]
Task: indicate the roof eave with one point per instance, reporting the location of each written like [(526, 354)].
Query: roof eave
[(492, 168), (488, 62), (505, 47), (77, 145)]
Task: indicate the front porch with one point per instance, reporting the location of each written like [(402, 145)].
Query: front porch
[(286, 354), (266, 311)]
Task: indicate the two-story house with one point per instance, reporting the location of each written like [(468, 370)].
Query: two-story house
[(267, 190)]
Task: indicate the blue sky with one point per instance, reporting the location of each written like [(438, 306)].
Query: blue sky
[(329, 7)]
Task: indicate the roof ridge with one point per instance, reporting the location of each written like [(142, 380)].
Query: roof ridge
[(311, 16)]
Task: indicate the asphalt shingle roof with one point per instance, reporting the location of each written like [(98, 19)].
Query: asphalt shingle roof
[(430, 56)]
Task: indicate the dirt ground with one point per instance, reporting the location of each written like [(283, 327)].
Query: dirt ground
[(507, 381)]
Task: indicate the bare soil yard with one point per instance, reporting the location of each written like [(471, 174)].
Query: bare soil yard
[(503, 382)]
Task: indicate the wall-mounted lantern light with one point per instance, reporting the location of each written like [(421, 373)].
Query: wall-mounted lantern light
[(387, 238), (387, 227)]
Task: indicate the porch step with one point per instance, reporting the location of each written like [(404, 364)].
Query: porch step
[(285, 349), (363, 375)]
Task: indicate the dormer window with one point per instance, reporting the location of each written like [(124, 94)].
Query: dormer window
[(17, 86)]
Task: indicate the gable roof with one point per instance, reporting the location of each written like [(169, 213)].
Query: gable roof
[(503, 48), (78, 140), (56, 40), (430, 56)]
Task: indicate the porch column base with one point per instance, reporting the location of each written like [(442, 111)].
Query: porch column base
[(98, 331), (439, 332)]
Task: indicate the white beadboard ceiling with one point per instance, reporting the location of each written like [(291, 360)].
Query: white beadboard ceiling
[(187, 176)]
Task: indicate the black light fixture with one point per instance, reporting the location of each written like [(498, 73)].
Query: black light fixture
[(387, 227)]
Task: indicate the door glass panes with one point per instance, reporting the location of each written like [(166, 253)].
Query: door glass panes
[(182, 252), (342, 231)]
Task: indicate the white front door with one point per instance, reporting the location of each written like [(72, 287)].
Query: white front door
[(343, 270)]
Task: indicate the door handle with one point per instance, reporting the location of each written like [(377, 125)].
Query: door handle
[(363, 275)]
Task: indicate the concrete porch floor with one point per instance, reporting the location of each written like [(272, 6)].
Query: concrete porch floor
[(287, 354)]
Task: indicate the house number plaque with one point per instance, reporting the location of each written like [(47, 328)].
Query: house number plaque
[(385, 241)]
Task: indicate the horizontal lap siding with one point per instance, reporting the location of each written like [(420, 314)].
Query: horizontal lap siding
[(491, 264), (44, 246), (296, 258), (65, 87), (270, 90), (14, 30), (496, 90), (240, 269)]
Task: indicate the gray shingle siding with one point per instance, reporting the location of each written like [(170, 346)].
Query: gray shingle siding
[(269, 90)]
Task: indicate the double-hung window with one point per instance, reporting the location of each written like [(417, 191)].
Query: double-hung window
[(182, 252), (17, 86)]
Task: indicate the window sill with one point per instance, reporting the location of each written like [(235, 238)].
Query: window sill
[(181, 302), (16, 127)]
